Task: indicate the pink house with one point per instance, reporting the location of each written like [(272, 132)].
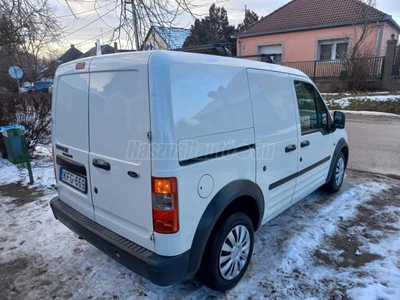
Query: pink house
[(323, 30)]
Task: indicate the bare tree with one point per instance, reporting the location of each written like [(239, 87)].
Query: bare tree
[(27, 29), (361, 61), (137, 16)]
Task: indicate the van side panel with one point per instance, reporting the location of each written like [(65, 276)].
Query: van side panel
[(275, 130), (70, 135), (208, 99), (202, 127)]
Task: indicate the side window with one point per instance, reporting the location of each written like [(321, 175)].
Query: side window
[(313, 113)]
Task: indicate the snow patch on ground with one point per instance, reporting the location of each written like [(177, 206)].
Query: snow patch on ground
[(345, 101), (43, 173), (370, 113), (290, 240), (42, 151)]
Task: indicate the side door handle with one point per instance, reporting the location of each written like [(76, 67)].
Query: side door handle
[(101, 163), (290, 148), (304, 144)]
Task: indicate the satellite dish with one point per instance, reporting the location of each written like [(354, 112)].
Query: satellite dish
[(15, 72)]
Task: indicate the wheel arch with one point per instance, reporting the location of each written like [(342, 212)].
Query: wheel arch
[(238, 196), (341, 146)]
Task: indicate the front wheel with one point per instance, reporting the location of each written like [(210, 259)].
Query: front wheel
[(336, 180), (228, 253)]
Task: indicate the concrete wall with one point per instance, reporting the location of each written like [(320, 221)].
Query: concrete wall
[(387, 31), (390, 82)]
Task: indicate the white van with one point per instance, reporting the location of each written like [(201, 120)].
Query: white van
[(169, 161)]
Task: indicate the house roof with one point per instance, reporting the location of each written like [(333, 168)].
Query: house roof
[(105, 49), (300, 15), (173, 36), (71, 54)]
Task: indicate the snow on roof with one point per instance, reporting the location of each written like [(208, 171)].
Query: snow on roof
[(174, 37)]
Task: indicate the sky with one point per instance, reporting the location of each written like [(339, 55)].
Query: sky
[(85, 27)]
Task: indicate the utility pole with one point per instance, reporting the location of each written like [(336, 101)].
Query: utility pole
[(135, 24)]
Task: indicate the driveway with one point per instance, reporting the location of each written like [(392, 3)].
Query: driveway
[(374, 143)]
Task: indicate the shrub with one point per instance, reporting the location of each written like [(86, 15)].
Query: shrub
[(29, 110)]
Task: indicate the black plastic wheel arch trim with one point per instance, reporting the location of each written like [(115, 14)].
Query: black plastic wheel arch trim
[(161, 270), (214, 210), (342, 144)]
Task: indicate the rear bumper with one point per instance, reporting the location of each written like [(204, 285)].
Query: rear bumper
[(161, 270)]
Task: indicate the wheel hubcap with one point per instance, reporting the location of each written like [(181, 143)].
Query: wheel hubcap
[(234, 252), (339, 171)]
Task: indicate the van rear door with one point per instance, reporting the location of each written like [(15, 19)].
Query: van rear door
[(70, 137), (119, 155)]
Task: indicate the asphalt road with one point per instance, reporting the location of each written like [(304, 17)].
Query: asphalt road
[(374, 143)]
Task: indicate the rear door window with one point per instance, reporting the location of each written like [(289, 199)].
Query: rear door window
[(71, 111)]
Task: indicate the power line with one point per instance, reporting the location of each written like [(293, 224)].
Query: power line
[(84, 12), (90, 23), (93, 38)]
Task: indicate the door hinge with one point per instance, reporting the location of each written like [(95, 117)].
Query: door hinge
[(149, 135), (152, 236)]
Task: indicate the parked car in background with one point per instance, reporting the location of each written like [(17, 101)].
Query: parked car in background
[(26, 87), (42, 86), (38, 86)]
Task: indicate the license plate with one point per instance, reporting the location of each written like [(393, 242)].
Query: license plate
[(73, 180)]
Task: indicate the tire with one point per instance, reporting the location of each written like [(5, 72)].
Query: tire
[(336, 180), (222, 267)]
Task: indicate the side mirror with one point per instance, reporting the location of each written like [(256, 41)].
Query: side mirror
[(339, 119)]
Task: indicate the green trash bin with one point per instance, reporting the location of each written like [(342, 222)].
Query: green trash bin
[(17, 151)]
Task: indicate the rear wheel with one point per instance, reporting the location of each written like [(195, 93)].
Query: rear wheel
[(336, 180), (228, 253)]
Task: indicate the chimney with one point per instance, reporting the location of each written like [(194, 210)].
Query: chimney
[(115, 47)]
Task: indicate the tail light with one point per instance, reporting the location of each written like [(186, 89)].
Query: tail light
[(165, 205)]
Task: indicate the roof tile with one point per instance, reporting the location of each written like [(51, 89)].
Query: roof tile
[(174, 37), (307, 14)]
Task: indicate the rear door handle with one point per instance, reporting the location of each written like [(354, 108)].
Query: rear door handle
[(101, 163), (290, 148), (304, 144)]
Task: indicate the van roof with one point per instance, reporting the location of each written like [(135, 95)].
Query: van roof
[(119, 61), (177, 56)]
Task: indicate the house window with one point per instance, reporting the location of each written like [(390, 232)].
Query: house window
[(341, 50), (326, 52), (332, 49), (274, 52)]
